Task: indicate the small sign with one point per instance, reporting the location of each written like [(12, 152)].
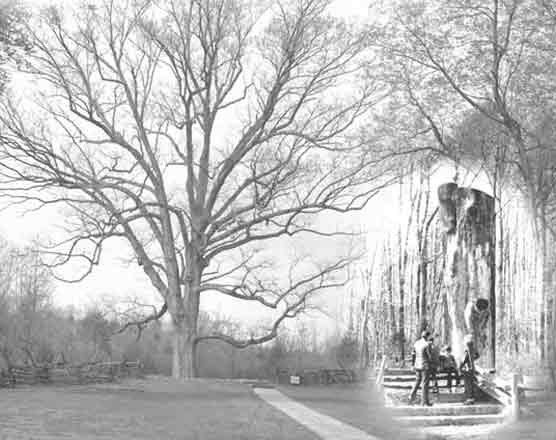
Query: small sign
[(295, 380)]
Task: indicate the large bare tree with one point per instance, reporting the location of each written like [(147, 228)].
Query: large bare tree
[(194, 130)]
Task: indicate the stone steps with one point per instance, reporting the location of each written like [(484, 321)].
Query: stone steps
[(408, 385), (445, 410), (448, 408), (399, 372), (410, 378), (459, 420), (441, 398)]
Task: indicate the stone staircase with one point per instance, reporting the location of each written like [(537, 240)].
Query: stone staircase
[(447, 409)]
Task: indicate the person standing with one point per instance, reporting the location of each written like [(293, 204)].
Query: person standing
[(467, 369), (421, 360), (435, 364)]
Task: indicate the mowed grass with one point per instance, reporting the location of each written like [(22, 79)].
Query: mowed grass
[(150, 409), (359, 406), (540, 426), (355, 404)]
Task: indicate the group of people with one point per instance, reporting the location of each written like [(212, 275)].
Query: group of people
[(428, 360)]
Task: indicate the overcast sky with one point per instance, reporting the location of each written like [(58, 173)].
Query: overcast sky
[(116, 279)]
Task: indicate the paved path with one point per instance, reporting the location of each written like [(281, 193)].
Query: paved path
[(324, 426)]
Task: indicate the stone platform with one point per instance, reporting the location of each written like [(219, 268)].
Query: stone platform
[(447, 408)]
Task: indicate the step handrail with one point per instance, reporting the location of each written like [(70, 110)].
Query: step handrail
[(492, 387), (509, 392), (380, 375)]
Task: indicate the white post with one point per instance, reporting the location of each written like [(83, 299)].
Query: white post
[(380, 376), (515, 397)]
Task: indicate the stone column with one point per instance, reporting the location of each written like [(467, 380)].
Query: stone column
[(467, 218)]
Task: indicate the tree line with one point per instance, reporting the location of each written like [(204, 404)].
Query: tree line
[(35, 332)]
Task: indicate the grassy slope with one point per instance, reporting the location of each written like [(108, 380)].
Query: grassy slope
[(154, 410)]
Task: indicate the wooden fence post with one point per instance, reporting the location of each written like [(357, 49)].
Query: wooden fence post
[(515, 397), (380, 376)]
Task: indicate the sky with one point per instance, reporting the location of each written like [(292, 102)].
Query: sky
[(115, 279), (348, 8)]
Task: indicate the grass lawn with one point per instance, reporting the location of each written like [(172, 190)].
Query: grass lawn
[(154, 409), (355, 404), (541, 426), (358, 406)]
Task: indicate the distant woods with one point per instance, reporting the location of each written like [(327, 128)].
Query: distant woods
[(34, 332)]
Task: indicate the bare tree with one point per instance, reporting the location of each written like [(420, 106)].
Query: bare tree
[(25, 300), (194, 130), (484, 55)]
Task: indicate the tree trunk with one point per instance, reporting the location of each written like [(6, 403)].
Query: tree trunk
[(418, 299), (401, 317), (423, 324), (545, 275), (498, 326), (468, 218), (493, 306), (183, 363), (391, 306), (184, 310)]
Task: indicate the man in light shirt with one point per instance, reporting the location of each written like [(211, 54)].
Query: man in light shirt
[(421, 364)]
